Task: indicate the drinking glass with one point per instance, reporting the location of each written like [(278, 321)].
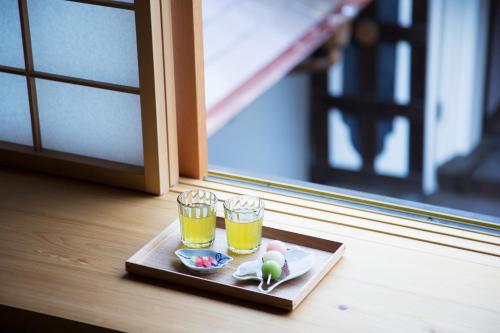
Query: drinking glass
[(243, 218), (197, 210)]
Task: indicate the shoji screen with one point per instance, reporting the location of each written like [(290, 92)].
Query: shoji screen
[(78, 89)]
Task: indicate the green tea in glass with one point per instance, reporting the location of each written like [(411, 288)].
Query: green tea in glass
[(197, 210), (243, 217)]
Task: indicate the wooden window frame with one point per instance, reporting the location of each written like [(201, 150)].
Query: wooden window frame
[(154, 48), (190, 87)]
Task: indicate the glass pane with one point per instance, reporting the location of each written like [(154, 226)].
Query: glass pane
[(15, 119), (335, 76), (11, 49), (403, 73), (343, 141), (393, 137), (86, 41), (91, 122)]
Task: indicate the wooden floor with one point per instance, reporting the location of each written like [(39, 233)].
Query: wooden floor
[(63, 245)]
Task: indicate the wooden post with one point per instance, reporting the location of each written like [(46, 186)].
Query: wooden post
[(190, 88), (153, 108)]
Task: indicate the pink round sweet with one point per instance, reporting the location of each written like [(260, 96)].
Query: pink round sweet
[(276, 245)]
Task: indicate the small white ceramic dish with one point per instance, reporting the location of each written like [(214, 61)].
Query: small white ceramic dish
[(185, 256), (297, 263)]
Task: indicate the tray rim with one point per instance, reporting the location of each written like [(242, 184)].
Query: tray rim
[(133, 265)]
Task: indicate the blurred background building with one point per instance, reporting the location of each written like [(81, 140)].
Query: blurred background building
[(394, 97)]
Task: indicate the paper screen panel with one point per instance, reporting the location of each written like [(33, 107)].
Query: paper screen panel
[(15, 119), (11, 42), (84, 40), (90, 121)]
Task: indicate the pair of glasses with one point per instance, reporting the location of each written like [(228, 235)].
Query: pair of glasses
[(243, 220)]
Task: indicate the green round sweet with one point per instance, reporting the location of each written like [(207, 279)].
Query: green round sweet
[(272, 268)]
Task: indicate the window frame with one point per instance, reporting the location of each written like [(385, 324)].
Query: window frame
[(365, 202), (190, 87), (154, 51)]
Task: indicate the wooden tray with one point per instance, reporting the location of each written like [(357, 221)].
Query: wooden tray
[(157, 259)]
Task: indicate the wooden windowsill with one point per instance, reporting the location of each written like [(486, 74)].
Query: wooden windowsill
[(64, 243)]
